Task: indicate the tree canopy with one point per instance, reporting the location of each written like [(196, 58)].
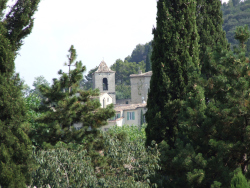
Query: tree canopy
[(236, 13), (65, 105), (15, 146)]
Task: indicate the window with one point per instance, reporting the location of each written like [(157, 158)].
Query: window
[(118, 116), (130, 115), (108, 99), (105, 83)]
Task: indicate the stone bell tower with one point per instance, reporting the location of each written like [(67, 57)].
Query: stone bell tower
[(104, 80)]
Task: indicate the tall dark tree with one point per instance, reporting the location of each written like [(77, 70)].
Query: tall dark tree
[(148, 60), (174, 61), (15, 146), (216, 135), (209, 25)]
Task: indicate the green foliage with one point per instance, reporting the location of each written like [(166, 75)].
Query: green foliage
[(122, 79), (128, 162), (33, 102), (87, 82), (148, 60), (242, 35), (133, 132), (62, 167), (15, 146), (209, 25), (64, 105), (239, 180), (175, 64), (123, 91), (213, 138), (140, 53), (124, 69), (40, 80), (235, 14)]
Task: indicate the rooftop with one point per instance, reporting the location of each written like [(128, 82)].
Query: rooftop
[(149, 73), (103, 67), (122, 107)]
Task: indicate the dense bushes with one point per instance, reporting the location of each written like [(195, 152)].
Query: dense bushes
[(127, 162)]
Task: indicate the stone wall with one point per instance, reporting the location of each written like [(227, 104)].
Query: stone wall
[(140, 84), (98, 83)]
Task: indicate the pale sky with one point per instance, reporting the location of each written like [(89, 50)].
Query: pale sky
[(98, 29)]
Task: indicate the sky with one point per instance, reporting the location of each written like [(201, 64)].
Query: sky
[(99, 29)]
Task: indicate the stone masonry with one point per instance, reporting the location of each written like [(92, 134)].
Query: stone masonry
[(139, 87), (104, 80)]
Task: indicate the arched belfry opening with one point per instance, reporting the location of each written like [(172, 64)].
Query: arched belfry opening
[(105, 83)]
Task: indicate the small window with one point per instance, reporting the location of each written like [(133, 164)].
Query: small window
[(108, 99), (118, 116), (130, 115), (105, 83)]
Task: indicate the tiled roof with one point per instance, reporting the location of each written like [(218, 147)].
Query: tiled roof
[(149, 73), (118, 119), (122, 107), (103, 67)]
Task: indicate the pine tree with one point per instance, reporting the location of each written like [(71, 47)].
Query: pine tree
[(65, 104), (174, 59), (228, 111), (239, 180), (220, 133), (15, 146)]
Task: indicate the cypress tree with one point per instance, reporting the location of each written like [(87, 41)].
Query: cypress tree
[(15, 146), (148, 62), (174, 61), (209, 25)]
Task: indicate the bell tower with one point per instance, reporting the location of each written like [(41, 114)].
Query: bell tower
[(104, 80)]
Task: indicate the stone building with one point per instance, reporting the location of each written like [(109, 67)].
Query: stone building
[(104, 99), (139, 86), (133, 111), (104, 80), (127, 114)]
